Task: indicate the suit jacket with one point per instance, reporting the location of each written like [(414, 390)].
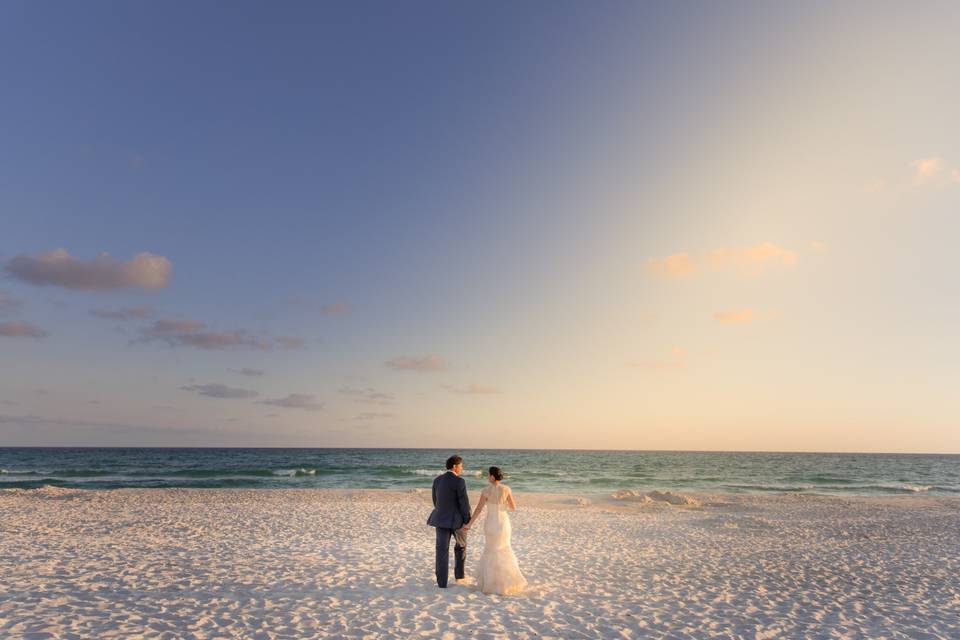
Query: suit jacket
[(451, 506)]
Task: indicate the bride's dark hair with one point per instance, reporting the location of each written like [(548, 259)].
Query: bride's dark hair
[(497, 473)]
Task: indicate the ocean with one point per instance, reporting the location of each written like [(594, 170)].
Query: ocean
[(554, 471)]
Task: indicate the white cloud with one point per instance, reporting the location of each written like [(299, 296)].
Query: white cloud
[(57, 268)]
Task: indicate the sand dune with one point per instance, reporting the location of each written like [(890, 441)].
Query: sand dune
[(181, 563)]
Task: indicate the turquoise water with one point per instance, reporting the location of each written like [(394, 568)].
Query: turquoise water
[(540, 471)]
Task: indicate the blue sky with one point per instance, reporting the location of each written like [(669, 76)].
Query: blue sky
[(486, 196)]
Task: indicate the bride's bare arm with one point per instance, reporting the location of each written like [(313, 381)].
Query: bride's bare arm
[(510, 501), (476, 512)]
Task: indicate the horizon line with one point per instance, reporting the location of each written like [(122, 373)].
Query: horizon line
[(454, 449)]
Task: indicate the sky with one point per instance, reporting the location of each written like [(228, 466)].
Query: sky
[(610, 225)]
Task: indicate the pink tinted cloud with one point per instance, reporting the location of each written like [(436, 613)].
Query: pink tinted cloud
[(218, 390), (166, 326), (372, 415), (368, 395), (739, 316), (473, 389), (57, 268), (926, 169), (18, 329), (247, 371), (126, 313), (304, 401), (677, 265), (677, 361), (193, 333), (288, 342), (8, 302), (752, 259), (334, 308), (422, 364)]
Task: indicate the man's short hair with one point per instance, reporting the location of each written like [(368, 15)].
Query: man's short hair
[(453, 460)]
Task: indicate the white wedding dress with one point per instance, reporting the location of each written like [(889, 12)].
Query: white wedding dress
[(498, 571)]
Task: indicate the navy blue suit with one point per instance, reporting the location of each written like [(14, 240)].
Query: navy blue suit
[(451, 510)]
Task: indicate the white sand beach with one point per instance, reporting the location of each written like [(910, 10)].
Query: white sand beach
[(185, 563)]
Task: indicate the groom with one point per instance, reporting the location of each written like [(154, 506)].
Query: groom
[(451, 510)]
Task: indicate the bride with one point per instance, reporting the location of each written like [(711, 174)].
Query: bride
[(498, 571)]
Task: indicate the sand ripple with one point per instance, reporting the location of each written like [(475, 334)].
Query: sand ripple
[(182, 563)]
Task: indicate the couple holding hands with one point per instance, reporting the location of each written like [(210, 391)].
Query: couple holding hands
[(498, 571)]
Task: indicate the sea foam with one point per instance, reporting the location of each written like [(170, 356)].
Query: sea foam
[(291, 473), (433, 472)]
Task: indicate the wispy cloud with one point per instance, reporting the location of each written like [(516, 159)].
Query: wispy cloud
[(753, 259), (193, 333), (744, 316), (472, 389), (246, 371), (8, 303), (217, 390), (427, 363), (32, 429), (324, 308), (933, 172), (372, 415), (304, 401), (288, 342), (57, 268), (166, 326), (678, 265), (126, 313), (819, 247), (18, 329), (739, 316), (926, 170), (678, 360), (368, 395), (334, 308)]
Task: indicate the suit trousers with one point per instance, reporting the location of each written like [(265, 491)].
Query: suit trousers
[(443, 555)]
